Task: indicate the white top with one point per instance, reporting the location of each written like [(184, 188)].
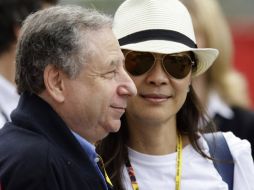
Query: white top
[(8, 99), (158, 172)]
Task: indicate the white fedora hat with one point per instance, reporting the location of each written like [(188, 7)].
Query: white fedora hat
[(159, 26)]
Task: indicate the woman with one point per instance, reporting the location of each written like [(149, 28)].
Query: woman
[(159, 145), (219, 88)]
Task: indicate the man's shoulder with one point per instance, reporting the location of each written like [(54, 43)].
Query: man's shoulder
[(21, 145), (30, 161), (22, 152), (24, 160)]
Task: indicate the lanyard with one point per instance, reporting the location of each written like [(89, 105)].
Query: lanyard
[(102, 167), (179, 158), (179, 149)]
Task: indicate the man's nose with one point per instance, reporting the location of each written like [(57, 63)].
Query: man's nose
[(128, 88)]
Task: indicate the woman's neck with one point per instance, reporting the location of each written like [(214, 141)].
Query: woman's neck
[(157, 139)]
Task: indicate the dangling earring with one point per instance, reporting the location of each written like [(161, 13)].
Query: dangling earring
[(188, 89)]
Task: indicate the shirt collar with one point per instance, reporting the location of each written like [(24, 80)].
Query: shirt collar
[(92, 155), (87, 146), (217, 106)]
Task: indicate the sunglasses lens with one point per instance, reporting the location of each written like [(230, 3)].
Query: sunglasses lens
[(177, 66), (137, 63)]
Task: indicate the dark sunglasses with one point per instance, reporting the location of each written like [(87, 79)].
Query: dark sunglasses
[(176, 65)]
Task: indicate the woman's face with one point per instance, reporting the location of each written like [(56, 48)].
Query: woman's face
[(159, 95)]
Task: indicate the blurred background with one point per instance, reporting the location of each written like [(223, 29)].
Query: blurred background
[(240, 15)]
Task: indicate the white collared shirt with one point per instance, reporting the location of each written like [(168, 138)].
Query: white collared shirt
[(217, 106)]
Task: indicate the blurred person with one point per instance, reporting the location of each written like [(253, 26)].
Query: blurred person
[(12, 14), (160, 144), (222, 89), (74, 89)]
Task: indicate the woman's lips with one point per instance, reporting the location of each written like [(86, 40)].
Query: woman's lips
[(155, 98)]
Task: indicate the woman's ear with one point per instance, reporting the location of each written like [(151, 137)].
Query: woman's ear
[(54, 83)]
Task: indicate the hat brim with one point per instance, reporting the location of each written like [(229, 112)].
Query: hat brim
[(205, 56)]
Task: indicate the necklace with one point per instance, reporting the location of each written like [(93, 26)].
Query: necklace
[(179, 149)]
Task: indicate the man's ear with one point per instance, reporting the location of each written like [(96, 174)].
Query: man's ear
[(54, 83)]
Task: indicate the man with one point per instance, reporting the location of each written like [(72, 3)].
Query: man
[(74, 90), (12, 14)]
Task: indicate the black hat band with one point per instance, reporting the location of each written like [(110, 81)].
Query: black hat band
[(157, 34)]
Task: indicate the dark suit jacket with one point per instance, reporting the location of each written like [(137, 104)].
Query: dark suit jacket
[(39, 152), (242, 124)]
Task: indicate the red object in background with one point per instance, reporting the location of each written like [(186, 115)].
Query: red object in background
[(243, 37)]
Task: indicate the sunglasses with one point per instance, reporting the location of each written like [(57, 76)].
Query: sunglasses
[(176, 65)]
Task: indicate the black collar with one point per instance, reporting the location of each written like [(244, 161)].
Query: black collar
[(36, 115)]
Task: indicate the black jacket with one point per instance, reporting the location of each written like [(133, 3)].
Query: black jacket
[(242, 124), (39, 152)]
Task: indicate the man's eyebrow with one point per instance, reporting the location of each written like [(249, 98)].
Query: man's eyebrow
[(116, 62)]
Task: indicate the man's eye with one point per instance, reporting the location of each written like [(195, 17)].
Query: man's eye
[(110, 74)]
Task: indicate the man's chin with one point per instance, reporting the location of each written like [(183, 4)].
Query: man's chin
[(114, 126)]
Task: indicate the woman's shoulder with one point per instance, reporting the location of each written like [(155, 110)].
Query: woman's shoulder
[(240, 149), (237, 146), (243, 161)]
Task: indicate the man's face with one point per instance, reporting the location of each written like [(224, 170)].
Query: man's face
[(96, 99)]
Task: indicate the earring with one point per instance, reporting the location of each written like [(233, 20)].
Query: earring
[(188, 89)]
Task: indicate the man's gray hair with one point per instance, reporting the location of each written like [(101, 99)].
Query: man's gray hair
[(53, 36)]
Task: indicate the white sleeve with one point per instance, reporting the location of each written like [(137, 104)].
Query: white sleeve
[(244, 167)]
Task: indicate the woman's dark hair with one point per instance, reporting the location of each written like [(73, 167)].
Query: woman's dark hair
[(113, 148)]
